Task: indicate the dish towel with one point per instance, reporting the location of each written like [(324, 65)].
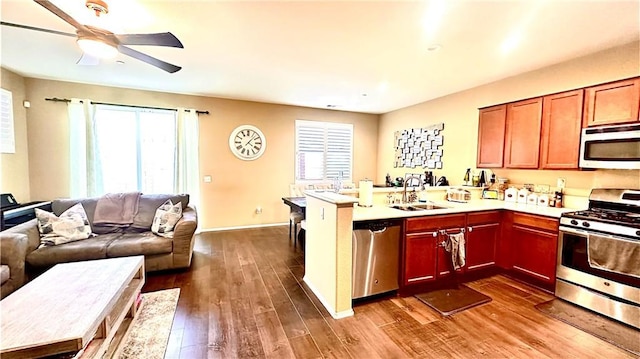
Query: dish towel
[(614, 254), (455, 246)]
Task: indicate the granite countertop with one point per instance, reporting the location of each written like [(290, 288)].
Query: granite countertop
[(384, 211)]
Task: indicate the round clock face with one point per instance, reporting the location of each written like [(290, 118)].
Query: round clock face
[(247, 142)]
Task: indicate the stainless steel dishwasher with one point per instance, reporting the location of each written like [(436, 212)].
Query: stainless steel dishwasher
[(376, 253)]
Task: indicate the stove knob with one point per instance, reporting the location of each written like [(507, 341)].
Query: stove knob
[(638, 233), (586, 224), (574, 222)]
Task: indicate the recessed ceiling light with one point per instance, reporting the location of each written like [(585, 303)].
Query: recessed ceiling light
[(434, 48)]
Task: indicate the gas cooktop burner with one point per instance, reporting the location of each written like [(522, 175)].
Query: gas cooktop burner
[(610, 211), (631, 219)]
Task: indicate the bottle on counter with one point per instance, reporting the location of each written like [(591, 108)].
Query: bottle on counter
[(467, 176), (559, 199)]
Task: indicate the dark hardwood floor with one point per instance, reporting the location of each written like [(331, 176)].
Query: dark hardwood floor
[(244, 298)]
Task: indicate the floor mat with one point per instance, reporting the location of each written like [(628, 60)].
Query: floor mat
[(609, 330), (453, 300)]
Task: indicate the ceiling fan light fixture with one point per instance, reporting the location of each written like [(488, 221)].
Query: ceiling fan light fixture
[(97, 48)]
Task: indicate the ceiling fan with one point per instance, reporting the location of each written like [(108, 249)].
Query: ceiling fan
[(101, 43)]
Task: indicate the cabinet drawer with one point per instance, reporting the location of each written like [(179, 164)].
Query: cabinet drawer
[(421, 224), (538, 222), (483, 217)]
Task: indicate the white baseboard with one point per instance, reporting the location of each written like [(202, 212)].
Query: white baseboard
[(217, 229), (327, 306)]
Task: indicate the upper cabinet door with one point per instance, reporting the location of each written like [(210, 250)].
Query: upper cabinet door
[(491, 129), (561, 127), (522, 143), (616, 102)]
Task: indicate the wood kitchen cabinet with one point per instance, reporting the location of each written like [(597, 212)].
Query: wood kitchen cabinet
[(483, 233), (491, 130), (534, 247), (561, 128), (420, 257), (424, 260), (612, 103), (522, 139)]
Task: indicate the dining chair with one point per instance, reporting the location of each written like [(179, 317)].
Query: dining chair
[(295, 217)]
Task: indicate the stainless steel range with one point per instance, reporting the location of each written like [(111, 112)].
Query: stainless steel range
[(599, 255)]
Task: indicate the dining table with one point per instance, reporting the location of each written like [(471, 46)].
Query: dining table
[(298, 204)]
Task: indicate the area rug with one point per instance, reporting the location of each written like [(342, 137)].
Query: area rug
[(609, 330), (453, 300), (149, 334)]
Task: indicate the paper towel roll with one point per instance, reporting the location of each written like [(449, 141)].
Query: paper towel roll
[(365, 197)]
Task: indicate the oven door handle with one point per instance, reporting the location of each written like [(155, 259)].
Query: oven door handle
[(585, 233), (576, 231)]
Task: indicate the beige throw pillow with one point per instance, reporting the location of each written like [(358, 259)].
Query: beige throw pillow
[(72, 225), (167, 215)]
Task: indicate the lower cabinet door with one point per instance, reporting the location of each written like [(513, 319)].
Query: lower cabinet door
[(534, 253), (444, 265), (420, 258), (482, 240)]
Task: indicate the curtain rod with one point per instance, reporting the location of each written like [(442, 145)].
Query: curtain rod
[(55, 99)]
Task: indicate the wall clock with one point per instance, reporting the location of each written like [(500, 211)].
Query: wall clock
[(247, 142)]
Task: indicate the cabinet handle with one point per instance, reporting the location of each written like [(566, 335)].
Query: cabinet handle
[(435, 234), (470, 229)]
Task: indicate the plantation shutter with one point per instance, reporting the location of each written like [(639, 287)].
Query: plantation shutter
[(323, 150)]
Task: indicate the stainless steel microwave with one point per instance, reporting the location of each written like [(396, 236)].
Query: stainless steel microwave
[(614, 146)]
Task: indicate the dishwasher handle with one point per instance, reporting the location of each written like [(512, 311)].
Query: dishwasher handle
[(378, 226)]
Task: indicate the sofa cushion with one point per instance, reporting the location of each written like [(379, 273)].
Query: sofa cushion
[(5, 273), (88, 249), (60, 205), (147, 243), (148, 205), (72, 225)]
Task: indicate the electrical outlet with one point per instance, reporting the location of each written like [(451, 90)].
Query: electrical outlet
[(207, 179), (258, 210), (561, 182)]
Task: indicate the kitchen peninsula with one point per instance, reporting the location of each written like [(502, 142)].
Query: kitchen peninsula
[(330, 217)]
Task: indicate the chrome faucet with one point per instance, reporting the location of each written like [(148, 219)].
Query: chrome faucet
[(404, 192)]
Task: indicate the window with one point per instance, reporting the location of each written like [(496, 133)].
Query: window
[(324, 151), (136, 149)]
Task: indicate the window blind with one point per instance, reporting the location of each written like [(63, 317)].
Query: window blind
[(324, 150)]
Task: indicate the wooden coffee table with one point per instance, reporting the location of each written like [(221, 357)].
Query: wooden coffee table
[(81, 307)]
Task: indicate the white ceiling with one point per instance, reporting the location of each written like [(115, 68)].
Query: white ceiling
[(359, 56)]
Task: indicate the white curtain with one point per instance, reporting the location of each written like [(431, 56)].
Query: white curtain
[(188, 174), (85, 178)]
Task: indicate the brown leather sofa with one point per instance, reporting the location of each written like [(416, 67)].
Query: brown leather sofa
[(13, 252), (160, 253)]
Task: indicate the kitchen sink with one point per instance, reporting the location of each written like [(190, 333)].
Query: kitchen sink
[(418, 207)]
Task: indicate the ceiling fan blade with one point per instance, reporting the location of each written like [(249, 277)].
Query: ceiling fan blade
[(37, 29), (61, 14), (159, 39), (148, 59), (88, 60)]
